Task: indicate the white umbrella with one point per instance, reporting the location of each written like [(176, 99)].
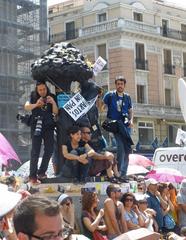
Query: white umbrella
[(25, 169)]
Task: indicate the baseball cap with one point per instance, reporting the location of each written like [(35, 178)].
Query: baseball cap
[(150, 181)]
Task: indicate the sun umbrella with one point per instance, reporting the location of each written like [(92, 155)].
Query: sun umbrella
[(6, 151), (23, 170), (137, 159), (136, 169), (166, 175)]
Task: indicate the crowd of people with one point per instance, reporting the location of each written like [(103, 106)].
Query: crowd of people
[(158, 207)]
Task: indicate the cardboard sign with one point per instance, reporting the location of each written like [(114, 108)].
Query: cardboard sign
[(77, 106), (99, 65)]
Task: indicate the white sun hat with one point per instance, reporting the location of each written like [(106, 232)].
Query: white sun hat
[(8, 200)]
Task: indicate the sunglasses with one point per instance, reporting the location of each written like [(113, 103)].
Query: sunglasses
[(87, 132), (117, 190), (140, 188), (129, 200), (143, 202)]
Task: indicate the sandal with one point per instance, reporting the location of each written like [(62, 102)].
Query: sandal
[(113, 180)]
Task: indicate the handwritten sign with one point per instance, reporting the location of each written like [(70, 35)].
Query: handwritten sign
[(77, 106), (99, 65)]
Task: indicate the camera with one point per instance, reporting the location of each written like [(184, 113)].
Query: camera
[(26, 119), (44, 100), (125, 118), (39, 124)]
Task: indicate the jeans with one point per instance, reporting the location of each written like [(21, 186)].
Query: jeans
[(48, 137), (75, 169), (124, 143)]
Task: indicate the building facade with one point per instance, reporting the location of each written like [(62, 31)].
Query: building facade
[(145, 42), (23, 36)]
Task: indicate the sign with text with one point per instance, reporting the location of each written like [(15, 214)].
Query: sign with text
[(77, 106), (99, 65)]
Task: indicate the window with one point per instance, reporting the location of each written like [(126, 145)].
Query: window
[(141, 94), (102, 51), (140, 57), (102, 17), (146, 132), (70, 30), (164, 27), (168, 97), (168, 67), (138, 16), (183, 32)]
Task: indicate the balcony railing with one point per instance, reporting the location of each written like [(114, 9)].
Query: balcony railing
[(172, 33), (63, 36), (169, 69), (142, 64), (119, 25)]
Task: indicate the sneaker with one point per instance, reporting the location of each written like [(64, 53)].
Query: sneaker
[(113, 180), (123, 179)]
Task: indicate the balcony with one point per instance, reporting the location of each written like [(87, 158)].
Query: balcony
[(142, 64), (64, 36), (158, 111), (169, 69), (172, 33)]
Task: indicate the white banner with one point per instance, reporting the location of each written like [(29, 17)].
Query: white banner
[(77, 106), (99, 65)]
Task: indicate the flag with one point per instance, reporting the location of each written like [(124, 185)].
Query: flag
[(165, 142), (138, 146), (154, 144)]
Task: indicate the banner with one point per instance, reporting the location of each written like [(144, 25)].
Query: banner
[(99, 65), (77, 106)]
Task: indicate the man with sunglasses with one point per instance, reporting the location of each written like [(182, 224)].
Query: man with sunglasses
[(38, 218), (114, 212), (101, 160)]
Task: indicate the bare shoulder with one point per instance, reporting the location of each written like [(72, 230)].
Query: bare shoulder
[(108, 202)]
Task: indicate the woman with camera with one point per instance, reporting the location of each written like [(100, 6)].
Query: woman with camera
[(43, 107)]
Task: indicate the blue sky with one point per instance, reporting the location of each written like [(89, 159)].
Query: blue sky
[(181, 3)]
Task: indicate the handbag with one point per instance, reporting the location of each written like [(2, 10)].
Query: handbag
[(169, 222), (110, 126), (98, 236)]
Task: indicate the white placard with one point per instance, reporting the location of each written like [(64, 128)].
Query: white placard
[(181, 137), (76, 106), (99, 65)]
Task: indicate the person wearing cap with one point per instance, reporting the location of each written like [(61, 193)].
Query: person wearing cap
[(43, 107), (119, 108), (68, 213), (8, 202), (155, 201), (38, 218), (181, 201), (146, 213), (114, 212)]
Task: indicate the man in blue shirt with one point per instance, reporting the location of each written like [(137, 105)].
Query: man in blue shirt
[(119, 107), (155, 201)]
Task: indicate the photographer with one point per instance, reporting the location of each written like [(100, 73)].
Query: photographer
[(43, 107), (119, 108)]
